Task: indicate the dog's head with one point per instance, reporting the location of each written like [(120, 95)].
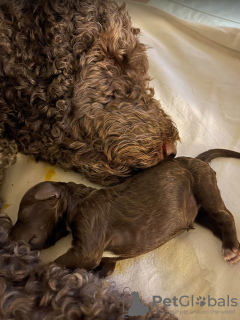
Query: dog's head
[(42, 216)]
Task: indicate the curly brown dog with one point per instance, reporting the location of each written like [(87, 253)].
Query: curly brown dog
[(30, 290), (74, 89), (131, 218)]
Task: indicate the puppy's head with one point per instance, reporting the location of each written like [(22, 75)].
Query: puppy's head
[(42, 215)]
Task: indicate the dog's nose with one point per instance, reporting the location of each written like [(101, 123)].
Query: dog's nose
[(169, 148)]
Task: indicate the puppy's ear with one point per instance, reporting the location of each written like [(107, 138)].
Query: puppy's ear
[(46, 191)]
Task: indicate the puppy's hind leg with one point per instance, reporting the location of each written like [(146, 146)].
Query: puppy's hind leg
[(206, 220), (208, 196)]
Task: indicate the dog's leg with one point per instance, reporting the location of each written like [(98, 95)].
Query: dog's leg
[(88, 232), (75, 258), (8, 155), (5, 228), (105, 268), (208, 195), (206, 220)]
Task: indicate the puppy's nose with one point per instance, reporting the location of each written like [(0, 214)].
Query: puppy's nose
[(13, 235), (16, 234)]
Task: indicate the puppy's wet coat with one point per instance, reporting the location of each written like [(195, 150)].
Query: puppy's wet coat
[(131, 218)]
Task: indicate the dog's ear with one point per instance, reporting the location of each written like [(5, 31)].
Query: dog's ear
[(47, 190)]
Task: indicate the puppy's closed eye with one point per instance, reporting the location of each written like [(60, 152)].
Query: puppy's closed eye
[(33, 239)]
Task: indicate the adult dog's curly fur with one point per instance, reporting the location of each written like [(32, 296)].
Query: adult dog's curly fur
[(31, 290), (74, 89)]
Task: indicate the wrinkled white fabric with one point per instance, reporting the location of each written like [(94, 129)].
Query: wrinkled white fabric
[(196, 75)]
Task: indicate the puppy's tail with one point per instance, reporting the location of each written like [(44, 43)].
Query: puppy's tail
[(211, 154)]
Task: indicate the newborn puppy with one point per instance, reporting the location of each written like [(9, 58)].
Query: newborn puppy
[(131, 218)]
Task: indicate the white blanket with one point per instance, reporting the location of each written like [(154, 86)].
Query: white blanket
[(196, 75)]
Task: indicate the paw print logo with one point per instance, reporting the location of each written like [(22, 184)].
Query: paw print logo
[(201, 301)]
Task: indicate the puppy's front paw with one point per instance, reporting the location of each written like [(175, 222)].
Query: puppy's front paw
[(231, 255)]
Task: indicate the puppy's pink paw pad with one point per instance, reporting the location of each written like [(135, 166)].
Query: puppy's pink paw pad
[(233, 256)]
